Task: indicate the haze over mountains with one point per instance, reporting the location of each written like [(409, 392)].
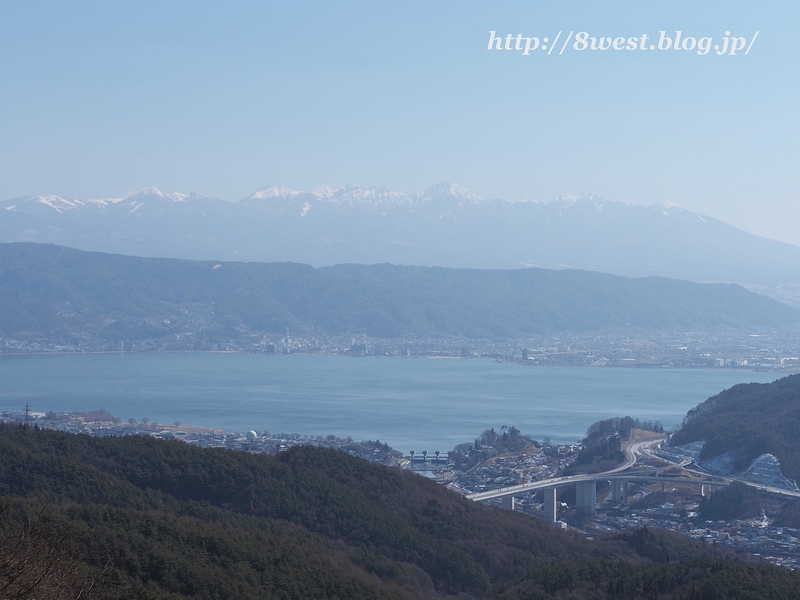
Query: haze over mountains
[(444, 225)]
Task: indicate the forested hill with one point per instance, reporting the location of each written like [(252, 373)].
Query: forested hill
[(145, 518), (749, 420), (68, 294)]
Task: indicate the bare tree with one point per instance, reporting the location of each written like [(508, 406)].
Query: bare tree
[(35, 565)]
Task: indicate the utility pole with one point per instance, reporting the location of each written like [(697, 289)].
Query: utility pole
[(27, 413)]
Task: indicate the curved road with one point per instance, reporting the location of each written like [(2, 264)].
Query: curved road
[(632, 449), (637, 447)]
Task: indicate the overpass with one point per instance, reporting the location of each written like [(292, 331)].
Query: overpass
[(620, 477), (585, 489), (585, 485)]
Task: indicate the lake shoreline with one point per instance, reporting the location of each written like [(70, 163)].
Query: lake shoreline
[(416, 404), (3, 355)]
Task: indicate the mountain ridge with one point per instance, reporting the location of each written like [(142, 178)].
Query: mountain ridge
[(444, 225), (64, 293)]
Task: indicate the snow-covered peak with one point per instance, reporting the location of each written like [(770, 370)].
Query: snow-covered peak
[(585, 197), (142, 194), (665, 207), (274, 191), (451, 191), (351, 195), (354, 195), (568, 201), (148, 191), (154, 191), (447, 189), (327, 191), (60, 204)]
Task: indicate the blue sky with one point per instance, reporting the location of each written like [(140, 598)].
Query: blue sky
[(99, 98)]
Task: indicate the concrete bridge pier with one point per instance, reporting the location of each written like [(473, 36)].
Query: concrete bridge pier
[(550, 505), (586, 496), (508, 502), (616, 490), (624, 485)]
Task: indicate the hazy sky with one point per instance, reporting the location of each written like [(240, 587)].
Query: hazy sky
[(98, 98)]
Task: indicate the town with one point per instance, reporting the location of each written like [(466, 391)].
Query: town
[(765, 349), (103, 423)]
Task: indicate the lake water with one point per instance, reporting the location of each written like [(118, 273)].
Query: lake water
[(420, 404)]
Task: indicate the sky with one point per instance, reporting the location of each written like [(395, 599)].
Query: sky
[(100, 98)]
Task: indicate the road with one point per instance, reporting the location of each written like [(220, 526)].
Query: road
[(640, 444), (764, 488)]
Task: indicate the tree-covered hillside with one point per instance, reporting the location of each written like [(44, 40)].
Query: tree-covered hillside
[(749, 420), (71, 295), (144, 518)]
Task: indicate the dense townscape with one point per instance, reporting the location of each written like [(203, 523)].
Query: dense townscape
[(760, 349)]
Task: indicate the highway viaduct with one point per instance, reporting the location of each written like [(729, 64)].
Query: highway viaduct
[(620, 477), (586, 489)]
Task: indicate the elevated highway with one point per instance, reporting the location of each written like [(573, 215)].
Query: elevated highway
[(585, 485), (632, 449), (641, 445), (557, 482)]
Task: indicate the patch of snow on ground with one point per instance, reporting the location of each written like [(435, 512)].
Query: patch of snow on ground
[(766, 470)]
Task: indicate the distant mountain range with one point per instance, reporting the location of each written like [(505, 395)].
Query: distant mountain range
[(59, 293), (445, 225)]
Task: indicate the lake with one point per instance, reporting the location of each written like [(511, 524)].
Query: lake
[(410, 403)]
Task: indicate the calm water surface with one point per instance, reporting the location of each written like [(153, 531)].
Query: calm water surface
[(418, 404)]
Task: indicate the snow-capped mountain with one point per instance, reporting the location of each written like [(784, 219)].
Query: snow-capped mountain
[(443, 225), (132, 201), (367, 196), (38, 205)]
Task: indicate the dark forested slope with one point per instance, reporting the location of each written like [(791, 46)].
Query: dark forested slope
[(67, 294), (748, 420), (152, 519)]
